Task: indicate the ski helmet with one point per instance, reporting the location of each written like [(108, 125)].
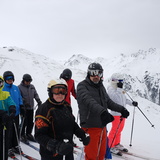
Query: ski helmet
[(1, 81), (8, 75), (95, 69), (66, 74), (117, 77), (27, 77), (56, 83)]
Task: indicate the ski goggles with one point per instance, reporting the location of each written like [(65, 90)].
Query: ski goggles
[(94, 73), (121, 80), (59, 90), (9, 78)]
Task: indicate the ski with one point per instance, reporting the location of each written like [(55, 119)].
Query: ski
[(138, 156), (28, 157), (32, 146), (14, 158)]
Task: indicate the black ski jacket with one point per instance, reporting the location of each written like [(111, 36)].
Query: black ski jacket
[(54, 121), (93, 100)]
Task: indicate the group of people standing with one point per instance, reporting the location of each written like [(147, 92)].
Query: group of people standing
[(16, 102), (55, 124)]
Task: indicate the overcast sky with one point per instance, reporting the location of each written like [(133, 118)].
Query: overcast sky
[(61, 28)]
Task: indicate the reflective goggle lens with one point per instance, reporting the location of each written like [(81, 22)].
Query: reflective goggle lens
[(59, 90), (120, 80), (96, 73), (9, 77)]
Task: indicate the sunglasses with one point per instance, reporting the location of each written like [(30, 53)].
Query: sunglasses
[(9, 78), (59, 90), (94, 73)]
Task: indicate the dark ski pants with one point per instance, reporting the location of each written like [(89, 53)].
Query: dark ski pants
[(28, 123), (12, 133)]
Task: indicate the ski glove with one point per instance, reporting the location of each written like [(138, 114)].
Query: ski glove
[(39, 103), (22, 110), (5, 118), (106, 118), (84, 137), (124, 113), (62, 148), (135, 103), (51, 145), (12, 111)]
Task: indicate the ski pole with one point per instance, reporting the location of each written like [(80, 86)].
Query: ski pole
[(132, 127), (21, 126), (4, 130), (17, 138), (146, 117), (141, 111), (121, 118), (100, 142)]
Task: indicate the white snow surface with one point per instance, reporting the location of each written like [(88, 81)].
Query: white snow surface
[(145, 140)]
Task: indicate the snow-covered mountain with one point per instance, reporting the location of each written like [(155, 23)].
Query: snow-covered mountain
[(142, 75), (142, 83)]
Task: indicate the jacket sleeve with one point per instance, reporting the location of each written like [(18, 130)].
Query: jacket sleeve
[(73, 91), (36, 96), (84, 97), (41, 128)]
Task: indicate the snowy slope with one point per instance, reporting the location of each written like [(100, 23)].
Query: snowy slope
[(146, 139)]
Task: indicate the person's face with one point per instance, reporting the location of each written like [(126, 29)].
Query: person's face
[(9, 81), (58, 97), (27, 82), (95, 79)]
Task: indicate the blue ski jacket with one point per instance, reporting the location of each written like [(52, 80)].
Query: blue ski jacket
[(15, 94)]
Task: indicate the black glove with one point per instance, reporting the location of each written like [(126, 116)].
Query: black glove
[(39, 103), (84, 137), (12, 111), (51, 145), (63, 148), (135, 103), (5, 118), (106, 118), (124, 113), (22, 110)]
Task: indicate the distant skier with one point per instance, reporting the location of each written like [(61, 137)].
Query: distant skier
[(29, 93), (17, 98), (67, 76), (117, 94), (7, 113), (55, 124)]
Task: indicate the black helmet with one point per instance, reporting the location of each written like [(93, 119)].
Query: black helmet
[(27, 77), (66, 74), (8, 74), (95, 69)]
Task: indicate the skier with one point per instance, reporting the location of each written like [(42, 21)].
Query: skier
[(16, 96), (55, 124), (28, 93), (117, 94), (93, 103), (67, 76), (7, 113)]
